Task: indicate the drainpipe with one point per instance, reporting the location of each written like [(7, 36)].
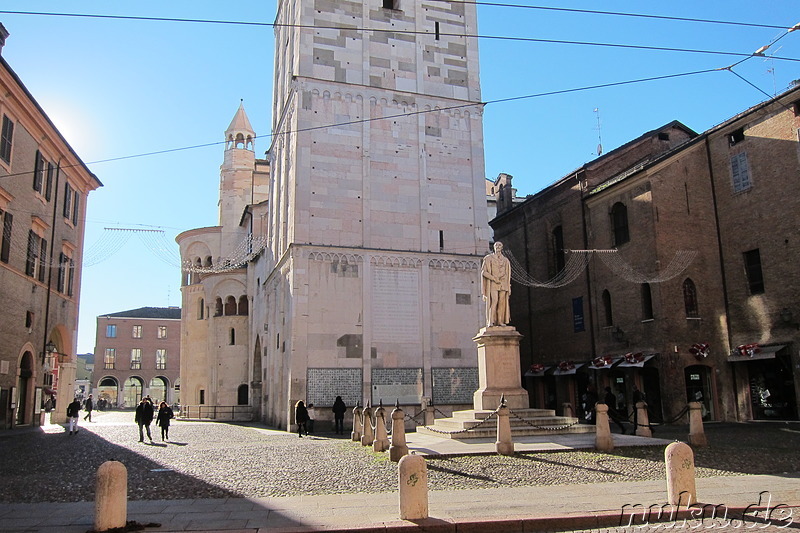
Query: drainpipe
[(50, 261)]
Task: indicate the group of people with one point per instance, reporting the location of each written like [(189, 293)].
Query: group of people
[(145, 412), (615, 403), (304, 416)]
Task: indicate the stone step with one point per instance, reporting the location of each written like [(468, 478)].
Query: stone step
[(523, 413), (522, 422), (546, 421), (491, 432)]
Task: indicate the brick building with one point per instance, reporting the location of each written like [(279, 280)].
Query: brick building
[(44, 187), (682, 329), (138, 353)]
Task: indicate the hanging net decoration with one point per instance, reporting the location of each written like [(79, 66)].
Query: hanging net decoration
[(578, 260), (244, 252)]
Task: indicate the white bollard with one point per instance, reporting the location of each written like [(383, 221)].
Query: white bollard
[(368, 435), (504, 444), (381, 442), (399, 448), (697, 435), (642, 420), (602, 439), (355, 436), (679, 460), (111, 496), (413, 480)]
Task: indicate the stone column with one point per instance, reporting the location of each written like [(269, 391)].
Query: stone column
[(355, 436), (368, 435), (413, 474), (602, 440), (381, 442), (679, 460), (642, 421), (504, 444), (499, 369), (399, 448), (697, 435), (111, 496)]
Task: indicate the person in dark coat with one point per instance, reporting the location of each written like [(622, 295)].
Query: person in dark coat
[(588, 400), (301, 417), (339, 409), (88, 405), (165, 414), (611, 401), (144, 417), (73, 410)]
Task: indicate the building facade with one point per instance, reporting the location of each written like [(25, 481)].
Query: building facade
[(680, 308), (138, 353), (44, 187)]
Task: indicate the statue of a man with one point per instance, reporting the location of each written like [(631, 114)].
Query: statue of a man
[(496, 286)]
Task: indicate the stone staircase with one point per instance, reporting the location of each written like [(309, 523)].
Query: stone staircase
[(545, 420)]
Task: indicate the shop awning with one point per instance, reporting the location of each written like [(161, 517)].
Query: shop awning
[(764, 352), (569, 371), (604, 363), (637, 363), (531, 373)]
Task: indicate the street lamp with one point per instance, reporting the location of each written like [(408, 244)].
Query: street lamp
[(49, 353)]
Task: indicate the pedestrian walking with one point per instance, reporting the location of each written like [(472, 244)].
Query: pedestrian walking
[(73, 410), (301, 417), (610, 400), (165, 414), (144, 417), (588, 400), (339, 409), (88, 405), (312, 414)]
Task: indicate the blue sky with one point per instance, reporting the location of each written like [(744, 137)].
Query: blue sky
[(118, 88)]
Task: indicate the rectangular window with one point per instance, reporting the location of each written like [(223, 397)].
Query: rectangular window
[(736, 136), (136, 358), (6, 139), (39, 168), (137, 332), (752, 267), (202, 397), (162, 332), (740, 173), (67, 201), (111, 331), (48, 190), (62, 272), (33, 251), (5, 246), (109, 358), (76, 200), (161, 359)]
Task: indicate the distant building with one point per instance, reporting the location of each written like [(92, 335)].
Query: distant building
[(44, 187), (721, 327), (138, 353), (83, 375)]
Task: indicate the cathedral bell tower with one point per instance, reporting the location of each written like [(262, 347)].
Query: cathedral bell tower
[(236, 172)]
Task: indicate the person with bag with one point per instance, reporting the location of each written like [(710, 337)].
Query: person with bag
[(301, 417), (73, 410), (165, 414)]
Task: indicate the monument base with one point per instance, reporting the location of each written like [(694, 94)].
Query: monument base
[(499, 369)]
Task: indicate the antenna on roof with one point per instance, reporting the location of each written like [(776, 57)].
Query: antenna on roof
[(599, 138)]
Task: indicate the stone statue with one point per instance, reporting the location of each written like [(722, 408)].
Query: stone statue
[(496, 286)]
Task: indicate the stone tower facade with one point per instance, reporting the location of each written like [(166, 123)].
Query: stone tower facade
[(377, 221)]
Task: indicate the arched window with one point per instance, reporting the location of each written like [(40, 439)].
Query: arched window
[(690, 298), (233, 337), (196, 275), (647, 302), (230, 306), (201, 305), (208, 261), (242, 395), (218, 309), (558, 249), (243, 305), (607, 308), (619, 223)]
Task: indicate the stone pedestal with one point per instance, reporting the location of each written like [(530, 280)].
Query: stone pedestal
[(499, 369)]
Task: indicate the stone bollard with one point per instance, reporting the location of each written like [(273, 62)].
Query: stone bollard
[(381, 442), (602, 438), (566, 410), (679, 460), (697, 436), (368, 435), (355, 436), (413, 474), (504, 444), (430, 414), (111, 496), (642, 421), (398, 449)]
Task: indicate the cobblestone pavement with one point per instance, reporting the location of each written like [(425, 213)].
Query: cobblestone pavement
[(216, 460)]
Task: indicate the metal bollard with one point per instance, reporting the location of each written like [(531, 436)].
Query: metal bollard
[(504, 444), (697, 435), (679, 460), (602, 439), (399, 448), (381, 442), (355, 436), (111, 496), (368, 434), (642, 420), (413, 481)]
